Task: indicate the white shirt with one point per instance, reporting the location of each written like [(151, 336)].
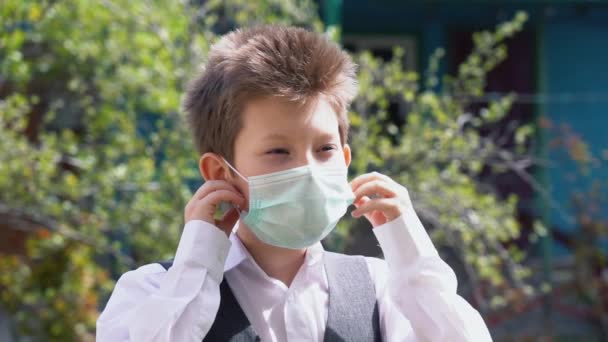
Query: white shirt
[(415, 290)]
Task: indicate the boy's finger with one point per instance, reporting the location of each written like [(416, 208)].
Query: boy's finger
[(211, 186), (361, 200), (388, 206), (364, 178), (218, 196), (375, 187), (228, 220)]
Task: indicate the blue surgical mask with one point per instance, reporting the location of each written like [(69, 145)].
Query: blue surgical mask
[(296, 208)]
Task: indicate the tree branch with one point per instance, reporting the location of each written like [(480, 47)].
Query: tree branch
[(30, 222)]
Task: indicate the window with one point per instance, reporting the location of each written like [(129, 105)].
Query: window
[(381, 46)]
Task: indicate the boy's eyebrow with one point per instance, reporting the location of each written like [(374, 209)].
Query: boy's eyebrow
[(275, 136), (278, 136), (327, 136)]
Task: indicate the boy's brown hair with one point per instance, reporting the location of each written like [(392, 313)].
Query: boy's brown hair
[(288, 63)]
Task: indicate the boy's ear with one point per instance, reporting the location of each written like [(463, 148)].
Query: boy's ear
[(347, 156), (212, 167)]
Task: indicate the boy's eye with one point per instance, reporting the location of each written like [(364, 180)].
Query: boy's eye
[(328, 148), (277, 151)]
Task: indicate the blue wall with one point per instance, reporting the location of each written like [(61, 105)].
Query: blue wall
[(575, 60)]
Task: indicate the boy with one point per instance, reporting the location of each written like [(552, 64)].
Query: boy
[(269, 116)]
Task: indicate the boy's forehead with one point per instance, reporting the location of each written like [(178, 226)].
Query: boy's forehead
[(276, 119)]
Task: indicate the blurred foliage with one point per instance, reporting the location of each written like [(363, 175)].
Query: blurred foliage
[(590, 267), (439, 153), (580, 283), (96, 164)]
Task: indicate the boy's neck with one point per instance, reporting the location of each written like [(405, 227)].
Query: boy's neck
[(279, 263)]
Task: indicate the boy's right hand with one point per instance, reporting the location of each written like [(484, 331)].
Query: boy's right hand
[(203, 204)]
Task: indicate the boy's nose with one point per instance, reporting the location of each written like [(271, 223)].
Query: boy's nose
[(307, 159), (310, 159)]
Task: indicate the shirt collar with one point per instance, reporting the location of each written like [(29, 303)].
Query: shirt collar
[(238, 253)]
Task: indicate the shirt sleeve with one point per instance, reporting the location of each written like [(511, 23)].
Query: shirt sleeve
[(151, 304), (416, 289)]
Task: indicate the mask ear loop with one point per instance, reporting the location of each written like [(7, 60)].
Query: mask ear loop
[(236, 228), (233, 169)]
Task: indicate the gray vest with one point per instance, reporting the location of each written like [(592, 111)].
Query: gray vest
[(353, 310)]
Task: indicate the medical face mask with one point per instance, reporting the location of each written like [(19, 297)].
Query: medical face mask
[(296, 208)]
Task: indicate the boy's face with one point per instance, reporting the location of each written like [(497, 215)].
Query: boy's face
[(277, 135)]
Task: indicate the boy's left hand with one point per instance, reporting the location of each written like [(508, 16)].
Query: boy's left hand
[(379, 198)]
